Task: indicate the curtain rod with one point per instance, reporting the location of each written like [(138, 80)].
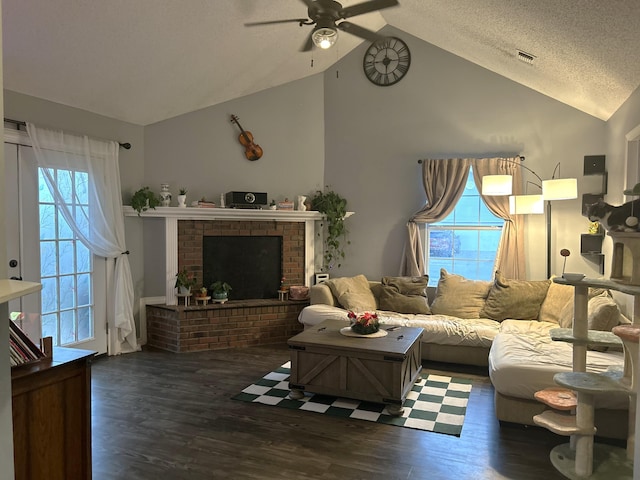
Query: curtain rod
[(520, 156), (20, 123)]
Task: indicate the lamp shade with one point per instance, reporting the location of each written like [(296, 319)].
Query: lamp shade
[(526, 204), (324, 37), (497, 185), (560, 189)]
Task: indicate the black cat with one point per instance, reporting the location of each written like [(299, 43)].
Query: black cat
[(614, 218)]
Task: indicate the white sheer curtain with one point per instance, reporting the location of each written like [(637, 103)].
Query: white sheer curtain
[(105, 237)]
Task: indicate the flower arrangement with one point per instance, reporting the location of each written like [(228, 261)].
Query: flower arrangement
[(364, 323)]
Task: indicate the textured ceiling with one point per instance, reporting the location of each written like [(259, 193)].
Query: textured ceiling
[(144, 61)]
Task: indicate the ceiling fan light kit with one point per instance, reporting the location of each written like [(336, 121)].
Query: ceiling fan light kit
[(324, 37), (325, 13)]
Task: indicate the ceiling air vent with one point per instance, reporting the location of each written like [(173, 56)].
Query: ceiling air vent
[(525, 57)]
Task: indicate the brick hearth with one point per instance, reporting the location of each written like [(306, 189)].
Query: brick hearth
[(239, 323)]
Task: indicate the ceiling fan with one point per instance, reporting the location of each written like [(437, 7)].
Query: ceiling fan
[(325, 13)]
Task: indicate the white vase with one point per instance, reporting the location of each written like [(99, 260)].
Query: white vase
[(182, 201), (184, 290), (301, 206), (165, 194)]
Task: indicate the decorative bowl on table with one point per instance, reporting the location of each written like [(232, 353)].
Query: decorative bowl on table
[(573, 277)]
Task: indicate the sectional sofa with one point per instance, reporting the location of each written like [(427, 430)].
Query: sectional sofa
[(503, 325)]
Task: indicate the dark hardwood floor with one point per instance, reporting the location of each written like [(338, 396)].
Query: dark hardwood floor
[(159, 415)]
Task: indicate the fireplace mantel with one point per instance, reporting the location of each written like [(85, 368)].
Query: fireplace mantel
[(171, 215), (193, 213)]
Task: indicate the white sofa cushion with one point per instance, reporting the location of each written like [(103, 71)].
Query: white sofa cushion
[(315, 314), (523, 359)]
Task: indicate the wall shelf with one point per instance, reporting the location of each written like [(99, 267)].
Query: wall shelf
[(591, 249)]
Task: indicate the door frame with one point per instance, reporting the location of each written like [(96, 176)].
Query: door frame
[(101, 270)]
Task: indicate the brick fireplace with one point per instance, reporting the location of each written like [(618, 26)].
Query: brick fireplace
[(180, 328)]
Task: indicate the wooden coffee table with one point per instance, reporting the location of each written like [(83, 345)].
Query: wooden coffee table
[(380, 370)]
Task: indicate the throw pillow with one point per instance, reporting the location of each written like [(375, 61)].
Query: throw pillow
[(460, 297), (515, 299), (602, 313), (404, 294), (557, 297), (353, 293), (566, 314)]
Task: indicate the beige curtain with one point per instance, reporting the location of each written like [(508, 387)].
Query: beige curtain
[(443, 182), (510, 256)]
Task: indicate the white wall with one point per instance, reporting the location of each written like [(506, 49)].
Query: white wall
[(444, 107)]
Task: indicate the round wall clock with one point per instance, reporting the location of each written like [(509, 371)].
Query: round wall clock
[(386, 61)]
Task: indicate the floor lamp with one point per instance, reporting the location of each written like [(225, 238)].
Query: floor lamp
[(554, 189)]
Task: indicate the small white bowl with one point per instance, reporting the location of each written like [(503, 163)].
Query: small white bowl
[(573, 277)]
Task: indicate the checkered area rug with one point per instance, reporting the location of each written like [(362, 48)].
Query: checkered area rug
[(436, 404)]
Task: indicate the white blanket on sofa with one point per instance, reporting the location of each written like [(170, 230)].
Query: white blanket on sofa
[(524, 359), (438, 329)]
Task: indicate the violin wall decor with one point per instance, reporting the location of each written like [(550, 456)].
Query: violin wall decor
[(252, 150)]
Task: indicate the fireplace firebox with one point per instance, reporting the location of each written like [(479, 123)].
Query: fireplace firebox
[(252, 265)]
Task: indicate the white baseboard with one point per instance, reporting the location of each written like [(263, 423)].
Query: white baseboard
[(144, 301)]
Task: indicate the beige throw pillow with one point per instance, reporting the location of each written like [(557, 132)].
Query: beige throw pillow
[(353, 293), (515, 299), (557, 297), (459, 297), (602, 313), (566, 314), (404, 294)]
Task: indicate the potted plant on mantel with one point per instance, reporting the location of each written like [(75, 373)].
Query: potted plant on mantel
[(144, 199), (333, 208), (220, 291), (184, 281)]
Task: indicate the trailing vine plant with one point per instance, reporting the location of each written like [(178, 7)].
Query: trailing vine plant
[(333, 208)]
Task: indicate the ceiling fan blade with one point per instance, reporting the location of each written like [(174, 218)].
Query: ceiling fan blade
[(308, 44), (366, 7), (308, 3), (290, 20), (359, 31)]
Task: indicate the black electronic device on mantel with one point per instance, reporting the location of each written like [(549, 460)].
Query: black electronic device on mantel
[(245, 199)]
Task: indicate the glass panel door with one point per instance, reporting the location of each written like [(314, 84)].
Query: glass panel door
[(73, 296)]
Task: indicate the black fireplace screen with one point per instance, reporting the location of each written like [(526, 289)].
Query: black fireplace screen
[(252, 265)]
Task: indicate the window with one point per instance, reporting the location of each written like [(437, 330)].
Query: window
[(466, 241), (66, 265)]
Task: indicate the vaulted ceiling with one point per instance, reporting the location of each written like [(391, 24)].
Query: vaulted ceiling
[(143, 61)]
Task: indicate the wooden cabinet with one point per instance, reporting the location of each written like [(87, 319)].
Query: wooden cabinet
[(51, 403)]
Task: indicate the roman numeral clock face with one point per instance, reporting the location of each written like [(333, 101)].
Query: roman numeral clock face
[(387, 61)]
